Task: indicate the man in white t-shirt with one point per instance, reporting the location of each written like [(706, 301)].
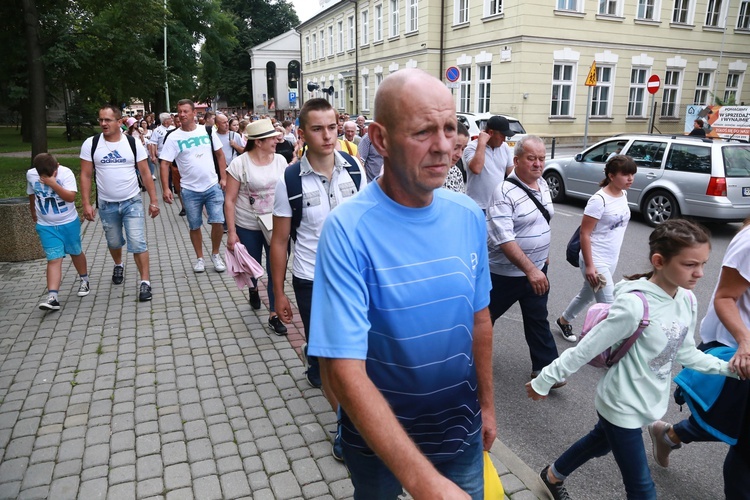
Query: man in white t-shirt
[(196, 153), (231, 142), (118, 193), (488, 160)]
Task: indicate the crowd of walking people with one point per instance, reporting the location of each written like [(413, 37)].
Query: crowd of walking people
[(398, 289)]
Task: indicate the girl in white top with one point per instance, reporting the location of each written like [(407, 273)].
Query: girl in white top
[(602, 231), (251, 185)]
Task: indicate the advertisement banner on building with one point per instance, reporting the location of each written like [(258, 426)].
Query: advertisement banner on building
[(720, 121)]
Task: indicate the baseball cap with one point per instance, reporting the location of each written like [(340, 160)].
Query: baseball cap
[(500, 123)]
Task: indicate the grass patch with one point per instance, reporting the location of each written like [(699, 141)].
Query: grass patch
[(10, 140)]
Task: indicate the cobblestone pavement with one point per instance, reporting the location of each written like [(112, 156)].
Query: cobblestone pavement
[(186, 396)]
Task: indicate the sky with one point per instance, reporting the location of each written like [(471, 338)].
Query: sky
[(306, 8)]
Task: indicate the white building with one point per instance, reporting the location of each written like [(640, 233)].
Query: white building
[(275, 67)]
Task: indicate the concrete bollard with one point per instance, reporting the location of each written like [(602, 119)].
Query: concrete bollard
[(18, 238)]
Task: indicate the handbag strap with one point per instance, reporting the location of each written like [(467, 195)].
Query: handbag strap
[(625, 347), (531, 196)]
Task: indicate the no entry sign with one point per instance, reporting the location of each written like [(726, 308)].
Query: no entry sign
[(654, 82)]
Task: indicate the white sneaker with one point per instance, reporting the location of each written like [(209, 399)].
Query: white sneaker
[(199, 266), (218, 263)]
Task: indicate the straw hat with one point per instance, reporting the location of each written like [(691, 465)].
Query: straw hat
[(261, 129)]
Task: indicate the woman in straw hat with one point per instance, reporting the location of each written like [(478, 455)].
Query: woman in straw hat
[(251, 184)]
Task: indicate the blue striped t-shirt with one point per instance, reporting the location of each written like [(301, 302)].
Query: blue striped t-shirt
[(398, 287)]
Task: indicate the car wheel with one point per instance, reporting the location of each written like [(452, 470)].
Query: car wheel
[(556, 187), (658, 207)]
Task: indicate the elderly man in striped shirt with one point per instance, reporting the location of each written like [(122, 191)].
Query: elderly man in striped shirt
[(518, 233)]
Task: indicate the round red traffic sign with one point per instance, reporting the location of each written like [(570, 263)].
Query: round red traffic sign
[(654, 82), (452, 74)]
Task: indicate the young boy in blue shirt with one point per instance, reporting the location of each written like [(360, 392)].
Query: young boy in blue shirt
[(52, 190)]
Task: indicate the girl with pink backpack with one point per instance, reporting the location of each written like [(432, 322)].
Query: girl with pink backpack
[(635, 391)]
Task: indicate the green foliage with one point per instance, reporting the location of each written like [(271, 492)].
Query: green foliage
[(256, 21)]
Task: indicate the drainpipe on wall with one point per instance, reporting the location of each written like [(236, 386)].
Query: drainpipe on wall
[(356, 56), (442, 39)]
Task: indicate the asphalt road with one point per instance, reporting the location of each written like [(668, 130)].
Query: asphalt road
[(538, 432)]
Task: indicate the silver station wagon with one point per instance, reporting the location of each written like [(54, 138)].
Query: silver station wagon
[(677, 175)]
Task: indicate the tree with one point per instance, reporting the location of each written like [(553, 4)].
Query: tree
[(256, 21)]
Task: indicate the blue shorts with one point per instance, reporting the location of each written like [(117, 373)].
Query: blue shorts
[(212, 199), (60, 240), (128, 215)]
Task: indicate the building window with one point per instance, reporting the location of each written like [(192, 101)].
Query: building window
[(315, 47), (702, 88), (602, 92), (307, 48), (493, 7), (365, 27), (350, 26), (713, 13), (412, 15), (646, 10), (330, 41), (562, 89), (342, 91), (464, 94), (378, 23), (670, 99), (732, 88), (378, 80), (341, 35), (637, 96), (365, 92), (743, 20), (483, 88), (573, 5), (461, 13), (322, 44), (681, 12), (608, 7), (394, 18)]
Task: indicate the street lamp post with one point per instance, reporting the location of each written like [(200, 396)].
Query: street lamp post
[(166, 72)]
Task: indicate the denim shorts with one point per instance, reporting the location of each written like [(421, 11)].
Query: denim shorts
[(127, 214), (212, 199), (60, 240)]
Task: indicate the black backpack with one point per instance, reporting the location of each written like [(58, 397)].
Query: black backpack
[(294, 188), (95, 143)]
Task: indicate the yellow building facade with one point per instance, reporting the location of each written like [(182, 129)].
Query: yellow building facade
[(530, 59)]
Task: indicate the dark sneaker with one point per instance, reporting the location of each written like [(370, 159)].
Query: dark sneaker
[(313, 376), (336, 449), (117, 275), (182, 213), (277, 326), (255, 299), (661, 449), (144, 293), (557, 490), (556, 385), (83, 288), (567, 331), (51, 304)]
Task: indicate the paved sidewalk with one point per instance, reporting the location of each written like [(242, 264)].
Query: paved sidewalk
[(187, 396)]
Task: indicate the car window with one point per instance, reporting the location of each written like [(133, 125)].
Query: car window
[(602, 152), (736, 160), (689, 158), (515, 126), (647, 154), (463, 120)]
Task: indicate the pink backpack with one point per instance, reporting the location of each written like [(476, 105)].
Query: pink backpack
[(598, 313)]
